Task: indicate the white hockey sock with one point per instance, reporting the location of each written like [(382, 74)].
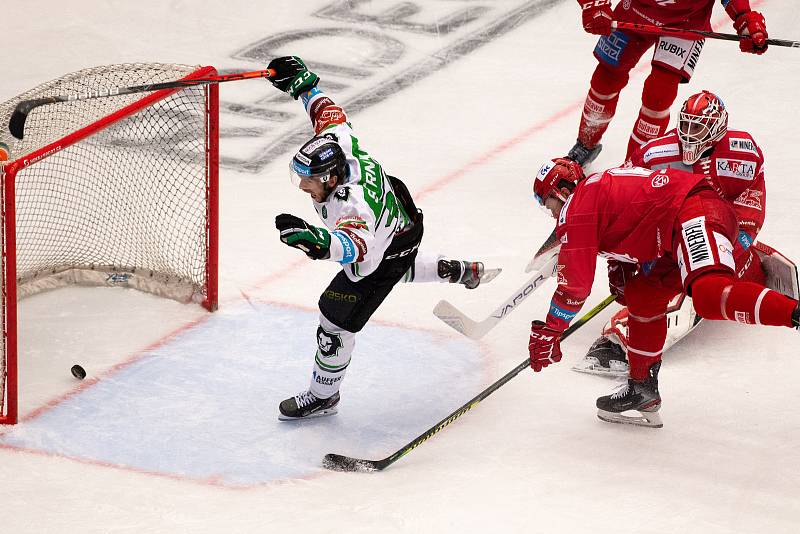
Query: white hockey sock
[(334, 350), (425, 269)]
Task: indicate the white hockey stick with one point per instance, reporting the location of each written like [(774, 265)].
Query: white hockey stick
[(476, 330), (543, 254)]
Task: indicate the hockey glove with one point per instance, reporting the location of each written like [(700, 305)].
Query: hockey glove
[(597, 16), (619, 273), (752, 28), (544, 347), (292, 76), (295, 232)]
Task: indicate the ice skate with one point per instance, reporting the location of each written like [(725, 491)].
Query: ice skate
[(584, 155), (604, 358), (468, 273), (306, 405), (638, 396)]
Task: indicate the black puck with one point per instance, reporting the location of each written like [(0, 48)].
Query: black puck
[(78, 372)]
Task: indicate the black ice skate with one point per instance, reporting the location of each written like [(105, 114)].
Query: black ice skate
[(306, 406), (604, 358), (582, 154), (636, 396), (468, 273)]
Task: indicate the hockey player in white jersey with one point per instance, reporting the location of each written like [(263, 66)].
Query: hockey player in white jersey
[(372, 228)]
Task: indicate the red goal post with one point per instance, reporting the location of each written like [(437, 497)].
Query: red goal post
[(118, 191)]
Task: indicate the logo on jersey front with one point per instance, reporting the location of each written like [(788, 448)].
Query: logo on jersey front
[(697, 244), (660, 180), (739, 144), (736, 168), (329, 343)]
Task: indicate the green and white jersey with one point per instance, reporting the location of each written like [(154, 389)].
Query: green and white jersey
[(362, 214)]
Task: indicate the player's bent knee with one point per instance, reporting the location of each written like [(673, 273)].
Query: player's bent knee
[(709, 292), (607, 80)]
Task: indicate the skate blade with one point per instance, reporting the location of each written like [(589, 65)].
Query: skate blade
[(648, 419), (591, 366), (321, 413), (489, 275)]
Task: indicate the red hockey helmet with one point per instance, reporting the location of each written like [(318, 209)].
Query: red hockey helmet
[(553, 175), (702, 122)]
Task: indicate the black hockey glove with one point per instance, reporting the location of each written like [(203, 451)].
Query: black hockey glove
[(292, 76), (295, 232)]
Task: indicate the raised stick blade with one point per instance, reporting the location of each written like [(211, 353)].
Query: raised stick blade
[(17, 123), (337, 462)]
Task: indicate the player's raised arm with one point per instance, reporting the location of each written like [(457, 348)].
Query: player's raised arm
[(293, 77)]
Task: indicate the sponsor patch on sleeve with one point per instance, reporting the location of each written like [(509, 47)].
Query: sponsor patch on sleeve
[(741, 144)]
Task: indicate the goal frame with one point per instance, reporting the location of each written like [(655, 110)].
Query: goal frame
[(8, 174)]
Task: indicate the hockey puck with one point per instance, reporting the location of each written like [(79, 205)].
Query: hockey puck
[(78, 372)]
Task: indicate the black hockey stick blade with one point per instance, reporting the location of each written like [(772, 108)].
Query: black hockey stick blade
[(20, 114), (338, 462), (16, 125)]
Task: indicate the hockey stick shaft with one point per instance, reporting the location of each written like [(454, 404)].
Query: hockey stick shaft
[(16, 124), (694, 35), (343, 463)]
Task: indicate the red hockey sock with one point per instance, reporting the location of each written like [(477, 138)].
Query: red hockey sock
[(648, 126), (718, 296), (647, 324), (660, 90), (597, 114), (601, 104)]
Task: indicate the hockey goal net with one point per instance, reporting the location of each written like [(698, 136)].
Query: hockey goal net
[(118, 191)]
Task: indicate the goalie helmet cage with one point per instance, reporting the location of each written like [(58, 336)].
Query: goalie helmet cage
[(118, 191)]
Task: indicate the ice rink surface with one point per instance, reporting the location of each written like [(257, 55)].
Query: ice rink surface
[(175, 430)]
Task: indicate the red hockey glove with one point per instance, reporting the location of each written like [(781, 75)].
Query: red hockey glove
[(619, 273), (597, 16), (752, 28), (544, 347)]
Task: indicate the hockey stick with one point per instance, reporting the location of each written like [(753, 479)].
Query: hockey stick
[(337, 462), (543, 254), (457, 320), (694, 35), (17, 123)]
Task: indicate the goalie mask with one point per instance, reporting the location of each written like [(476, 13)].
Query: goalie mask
[(318, 159), (702, 122)]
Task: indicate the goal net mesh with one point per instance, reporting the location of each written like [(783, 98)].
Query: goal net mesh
[(126, 205)]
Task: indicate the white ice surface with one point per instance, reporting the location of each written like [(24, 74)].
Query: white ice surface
[(132, 448)]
